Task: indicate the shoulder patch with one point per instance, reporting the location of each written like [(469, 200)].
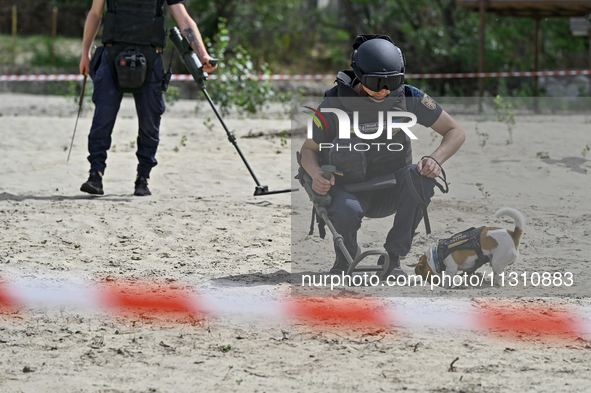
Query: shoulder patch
[(428, 102)]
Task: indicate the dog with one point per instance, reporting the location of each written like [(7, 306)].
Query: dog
[(498, 246)]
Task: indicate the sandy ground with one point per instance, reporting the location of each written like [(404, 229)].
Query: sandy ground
[(202, 227)]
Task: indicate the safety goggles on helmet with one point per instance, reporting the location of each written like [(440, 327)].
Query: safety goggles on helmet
[(377, 82)]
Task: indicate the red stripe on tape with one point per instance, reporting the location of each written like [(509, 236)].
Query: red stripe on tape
[(7, 302), (339, 312), (147, 297), (5, 299), (529, 320)]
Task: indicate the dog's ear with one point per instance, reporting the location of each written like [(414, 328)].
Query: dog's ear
[(422, 269)]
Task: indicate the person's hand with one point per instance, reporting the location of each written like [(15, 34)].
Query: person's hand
[(428, 167), (320, 185), (84, 65), (206, 66)]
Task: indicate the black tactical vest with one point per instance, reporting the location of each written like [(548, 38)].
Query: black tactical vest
[(378, 160), (137, 22)]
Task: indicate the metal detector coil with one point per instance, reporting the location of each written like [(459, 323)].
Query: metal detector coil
[(195, 67)]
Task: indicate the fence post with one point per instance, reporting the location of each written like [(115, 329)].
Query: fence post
[(481, 51), (14, 19), (53, 35)]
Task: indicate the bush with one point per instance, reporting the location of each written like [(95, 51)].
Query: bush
[(237, 85)]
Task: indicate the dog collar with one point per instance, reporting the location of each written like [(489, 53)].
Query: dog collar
[(432, 260)]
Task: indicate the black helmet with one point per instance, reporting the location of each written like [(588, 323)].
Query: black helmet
[(378, 63)]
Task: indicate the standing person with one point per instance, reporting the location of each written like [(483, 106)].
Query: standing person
[(134, 36), (376, 84)]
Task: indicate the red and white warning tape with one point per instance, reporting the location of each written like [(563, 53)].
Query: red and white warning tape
[(187, 77), (507, 318), (496, 74)]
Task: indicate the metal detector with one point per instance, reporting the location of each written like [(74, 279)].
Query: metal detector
[(195, 68), (321, 202)]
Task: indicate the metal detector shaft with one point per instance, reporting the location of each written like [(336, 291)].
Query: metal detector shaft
[(77, 117), (323, 213), (195, 67), (259, 189), (337, 238), (231, 137)]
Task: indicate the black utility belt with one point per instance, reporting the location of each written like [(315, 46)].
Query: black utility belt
[(159, 49)]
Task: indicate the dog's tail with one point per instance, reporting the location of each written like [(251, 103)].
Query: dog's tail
[(519, 222)]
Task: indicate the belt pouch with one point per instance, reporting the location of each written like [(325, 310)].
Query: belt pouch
[(131, 66)]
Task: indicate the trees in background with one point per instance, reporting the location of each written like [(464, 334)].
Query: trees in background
[(296, 36), (299, 37)]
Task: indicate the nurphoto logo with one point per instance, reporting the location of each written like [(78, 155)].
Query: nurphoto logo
[(393, 121)]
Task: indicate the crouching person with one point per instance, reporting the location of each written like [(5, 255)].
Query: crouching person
[(357, 132)]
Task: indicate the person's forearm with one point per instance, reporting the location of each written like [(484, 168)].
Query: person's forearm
[(91, 27), (450, 144), (189, 29), (310, 161)]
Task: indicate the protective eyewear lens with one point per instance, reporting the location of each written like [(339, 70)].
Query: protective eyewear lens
[(379, 82)]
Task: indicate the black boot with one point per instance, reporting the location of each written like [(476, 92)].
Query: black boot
[(340, 265), (394, 268), (141, 187), (94, 184)]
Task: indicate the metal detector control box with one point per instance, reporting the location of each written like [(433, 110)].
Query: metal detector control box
[(189, 57)]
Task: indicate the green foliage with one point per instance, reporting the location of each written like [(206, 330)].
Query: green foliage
[(171, 96), (482, 136), (585, 151), (236, 85), (484, 193), (436, 36), (505, 114), (543, 154), (72, 94), (284, 142), (183, 144), (36, 51), (283, 33), (208, 123)]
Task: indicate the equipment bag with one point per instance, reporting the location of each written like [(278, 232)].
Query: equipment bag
[(131, 66)]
